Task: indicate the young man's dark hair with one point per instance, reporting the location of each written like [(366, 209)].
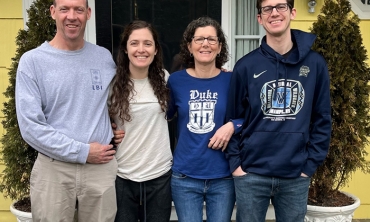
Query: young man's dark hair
[(259, 3)]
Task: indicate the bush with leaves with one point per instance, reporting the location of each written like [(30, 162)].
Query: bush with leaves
[(339, 41), (16, 154)]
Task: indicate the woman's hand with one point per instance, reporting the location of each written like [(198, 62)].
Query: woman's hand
[(222, 137), (118, 135)]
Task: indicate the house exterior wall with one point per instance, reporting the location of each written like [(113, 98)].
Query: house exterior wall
[(11, 21)]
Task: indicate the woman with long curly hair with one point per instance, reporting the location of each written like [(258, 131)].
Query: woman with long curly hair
[(200, 173), (138, 105)]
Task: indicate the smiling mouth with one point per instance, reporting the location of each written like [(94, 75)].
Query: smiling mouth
[(275, 22)]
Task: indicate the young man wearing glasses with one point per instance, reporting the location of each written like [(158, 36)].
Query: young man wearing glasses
[(281, 90)]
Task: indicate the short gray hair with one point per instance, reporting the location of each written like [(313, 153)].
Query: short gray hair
[(87, 3)]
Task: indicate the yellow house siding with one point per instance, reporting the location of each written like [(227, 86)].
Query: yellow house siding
[(9, 30), (7, 49), (365, 32), (10, 22), (11, 9), (5, 214)]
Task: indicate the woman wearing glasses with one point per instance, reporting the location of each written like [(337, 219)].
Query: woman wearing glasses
[(201, 172)]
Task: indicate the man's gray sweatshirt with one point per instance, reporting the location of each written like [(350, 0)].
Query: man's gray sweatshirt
[(61, 100)]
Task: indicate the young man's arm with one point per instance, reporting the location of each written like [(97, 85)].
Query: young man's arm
[(320, 129), (236, 109)]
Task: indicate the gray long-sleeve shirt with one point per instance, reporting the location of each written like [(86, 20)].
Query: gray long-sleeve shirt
[(61, 100)]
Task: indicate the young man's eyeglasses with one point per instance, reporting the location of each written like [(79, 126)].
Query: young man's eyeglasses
[(279, 7), (212, 40)]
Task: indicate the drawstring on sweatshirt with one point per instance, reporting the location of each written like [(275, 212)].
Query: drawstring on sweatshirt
[(277, 81), (277, 78), (285, 82)]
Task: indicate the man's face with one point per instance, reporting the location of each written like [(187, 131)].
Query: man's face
[(71, 17), (276, 21)]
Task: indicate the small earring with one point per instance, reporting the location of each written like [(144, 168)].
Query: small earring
[(218, 55), (191, 54)]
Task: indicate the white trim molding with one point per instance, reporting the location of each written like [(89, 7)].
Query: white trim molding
[(361, 9), (226, 27), (26, 5), (90, 31)]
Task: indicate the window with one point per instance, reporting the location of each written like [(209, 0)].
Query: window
[(239, 21), (361, 8)]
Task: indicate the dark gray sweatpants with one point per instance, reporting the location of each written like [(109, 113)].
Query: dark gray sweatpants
[(148, 201)]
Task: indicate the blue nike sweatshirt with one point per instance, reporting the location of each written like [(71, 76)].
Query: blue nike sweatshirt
[(285, 103)]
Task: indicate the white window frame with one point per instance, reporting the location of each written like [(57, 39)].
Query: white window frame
[(360, 9), (227, 19), (90, 31)]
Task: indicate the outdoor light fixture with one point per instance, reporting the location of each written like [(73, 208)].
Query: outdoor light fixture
[(311, 5)]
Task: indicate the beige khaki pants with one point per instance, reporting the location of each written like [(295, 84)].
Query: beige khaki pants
[(56, 186)]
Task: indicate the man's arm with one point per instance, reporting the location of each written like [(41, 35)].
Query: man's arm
[(99, 153), (171, 108), (44, 138), (320, 129), (222, 136), (235, 111)]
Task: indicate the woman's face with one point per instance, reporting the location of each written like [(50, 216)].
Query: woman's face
[(141, 49), (205, 45)]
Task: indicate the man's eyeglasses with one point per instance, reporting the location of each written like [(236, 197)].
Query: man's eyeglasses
[(212, 40), (279, 7)]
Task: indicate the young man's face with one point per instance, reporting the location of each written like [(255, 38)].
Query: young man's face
[(71, 17), (275, 17)]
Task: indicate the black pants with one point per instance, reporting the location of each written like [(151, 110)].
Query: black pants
[(148, 201)]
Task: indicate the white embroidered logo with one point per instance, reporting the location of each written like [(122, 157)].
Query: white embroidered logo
[(304, 70), (202, 111)]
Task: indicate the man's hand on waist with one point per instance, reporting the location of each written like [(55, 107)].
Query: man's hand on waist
[(100, 153)]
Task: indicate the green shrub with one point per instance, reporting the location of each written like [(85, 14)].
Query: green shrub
[(339, 41)]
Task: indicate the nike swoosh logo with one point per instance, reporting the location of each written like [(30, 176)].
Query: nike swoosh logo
[(258, 75)]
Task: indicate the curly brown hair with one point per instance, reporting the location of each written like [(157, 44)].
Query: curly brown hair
[(188, 35), (123, 86)]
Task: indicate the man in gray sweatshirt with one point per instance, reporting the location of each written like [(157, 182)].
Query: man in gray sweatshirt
[(61, 101)]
